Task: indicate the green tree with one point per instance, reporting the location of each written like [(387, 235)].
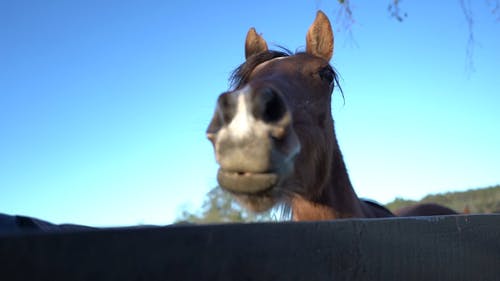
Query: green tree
[(220, 207)]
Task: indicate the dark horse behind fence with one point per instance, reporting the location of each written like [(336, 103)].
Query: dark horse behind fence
[(274, 137)]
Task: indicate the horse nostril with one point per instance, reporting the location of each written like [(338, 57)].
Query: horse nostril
[(226, 107), (268, 105)]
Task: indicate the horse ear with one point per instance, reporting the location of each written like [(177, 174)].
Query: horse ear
[(319, 40), (254, 43)]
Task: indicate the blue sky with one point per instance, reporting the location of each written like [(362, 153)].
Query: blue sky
[(104, 104)]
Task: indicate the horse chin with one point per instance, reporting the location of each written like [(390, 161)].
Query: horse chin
[(256, 203)]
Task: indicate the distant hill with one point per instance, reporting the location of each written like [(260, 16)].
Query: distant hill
[(483, 200)]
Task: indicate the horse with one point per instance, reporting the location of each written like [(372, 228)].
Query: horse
[(274, 139)]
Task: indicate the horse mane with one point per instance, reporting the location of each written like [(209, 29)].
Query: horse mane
[(241, 74)]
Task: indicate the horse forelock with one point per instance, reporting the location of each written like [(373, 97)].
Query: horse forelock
[(241, 74)]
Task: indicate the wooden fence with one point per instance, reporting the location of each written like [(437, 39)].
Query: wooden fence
[(465, 247)]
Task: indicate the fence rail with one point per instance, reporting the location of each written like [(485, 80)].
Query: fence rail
[(465, 247)]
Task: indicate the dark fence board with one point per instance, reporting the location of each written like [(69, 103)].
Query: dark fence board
[(430, 248)]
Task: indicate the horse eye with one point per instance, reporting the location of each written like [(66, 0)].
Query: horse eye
[(327, 74)]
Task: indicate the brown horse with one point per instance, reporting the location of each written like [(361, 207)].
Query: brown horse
[(274, 138)]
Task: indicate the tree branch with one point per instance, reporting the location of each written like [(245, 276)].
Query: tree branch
[(469, 50), (395, 11)]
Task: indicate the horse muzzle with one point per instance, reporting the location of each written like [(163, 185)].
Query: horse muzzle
[(254, 142)]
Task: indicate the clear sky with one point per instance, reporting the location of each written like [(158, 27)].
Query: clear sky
[(104, 104)]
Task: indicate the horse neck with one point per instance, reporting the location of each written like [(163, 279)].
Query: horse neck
[(337, 199)]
